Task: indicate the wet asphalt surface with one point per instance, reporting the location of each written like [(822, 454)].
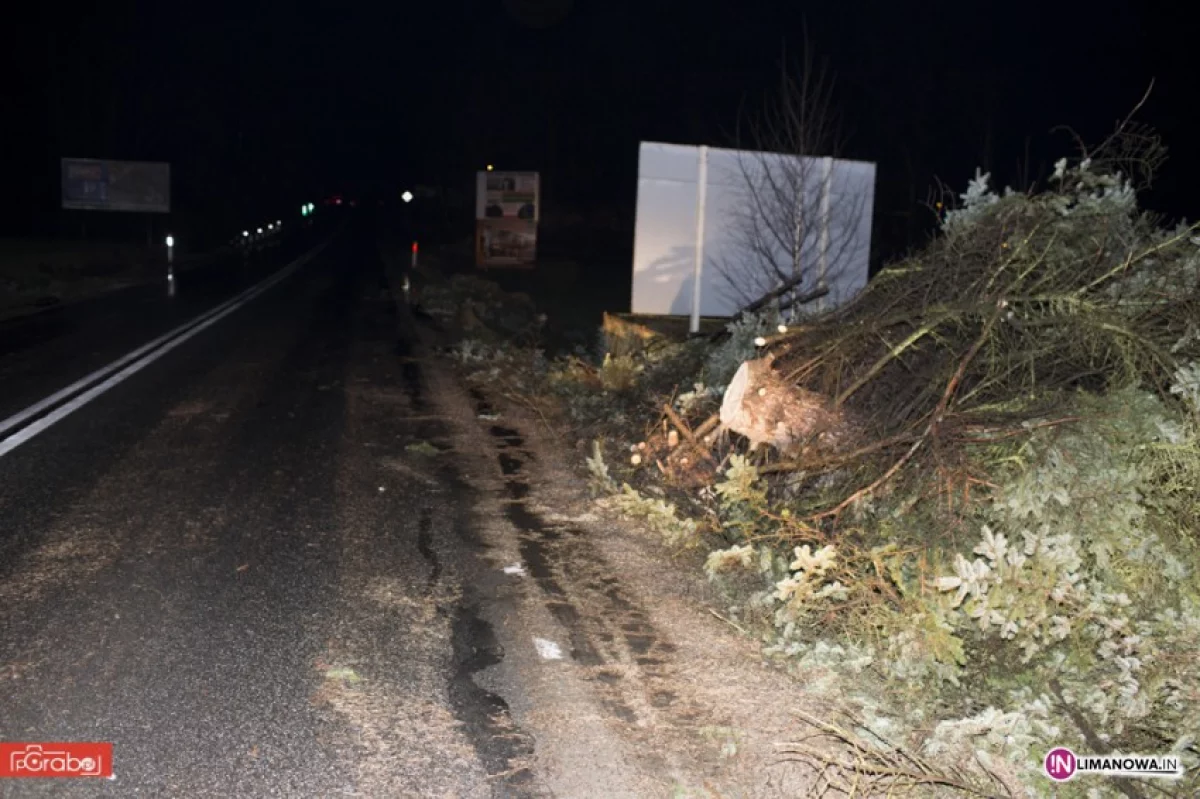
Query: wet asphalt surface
[(41, 352), (237, 566)]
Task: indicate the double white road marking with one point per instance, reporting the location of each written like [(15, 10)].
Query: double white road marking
[(29, 422)]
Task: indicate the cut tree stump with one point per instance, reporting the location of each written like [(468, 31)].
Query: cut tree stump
[(623, 337), (760, 405)]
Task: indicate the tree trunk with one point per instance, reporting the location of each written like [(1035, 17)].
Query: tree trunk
[(760, 405)]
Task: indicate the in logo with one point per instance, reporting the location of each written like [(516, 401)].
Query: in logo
[(1061, 764)]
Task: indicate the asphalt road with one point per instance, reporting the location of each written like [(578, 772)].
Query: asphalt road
[(38, 352), (243, 565)]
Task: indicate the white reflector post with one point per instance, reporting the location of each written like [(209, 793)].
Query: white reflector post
[(170, 265)]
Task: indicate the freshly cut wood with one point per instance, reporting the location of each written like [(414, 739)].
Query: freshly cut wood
[(625, 337), (760, 405)]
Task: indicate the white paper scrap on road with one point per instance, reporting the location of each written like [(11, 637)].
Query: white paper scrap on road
[(515, 568), (548, 650)]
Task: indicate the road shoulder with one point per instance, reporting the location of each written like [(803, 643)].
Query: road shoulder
[(651, 694)]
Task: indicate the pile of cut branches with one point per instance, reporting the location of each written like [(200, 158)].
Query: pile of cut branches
[(1014, 506), (999, 556), (1022, 302)]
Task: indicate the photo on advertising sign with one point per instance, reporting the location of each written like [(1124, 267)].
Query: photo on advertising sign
[(506, 195), (98, 185), (505, 242), (506, 210)]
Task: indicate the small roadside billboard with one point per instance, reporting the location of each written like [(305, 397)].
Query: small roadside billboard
[(99, 185)]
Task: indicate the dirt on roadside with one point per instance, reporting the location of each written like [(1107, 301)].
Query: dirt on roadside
[(614, 662)]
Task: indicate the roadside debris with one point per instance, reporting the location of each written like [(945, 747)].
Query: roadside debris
[(964, 505), (422, 448), (547, 650)]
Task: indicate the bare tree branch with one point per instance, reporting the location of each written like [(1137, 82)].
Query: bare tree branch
[(794, 233), (1133, 149)]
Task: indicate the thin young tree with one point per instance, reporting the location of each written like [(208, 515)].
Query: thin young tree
[(794, 232)]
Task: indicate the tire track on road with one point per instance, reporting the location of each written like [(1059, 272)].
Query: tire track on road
[(611, 637)]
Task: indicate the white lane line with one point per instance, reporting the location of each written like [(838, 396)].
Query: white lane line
[(149, 353), (33, 410)]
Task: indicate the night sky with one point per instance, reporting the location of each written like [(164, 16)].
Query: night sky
[(262, 106)]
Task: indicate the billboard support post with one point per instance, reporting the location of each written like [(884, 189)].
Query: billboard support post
[(698, 268), (823, 267)]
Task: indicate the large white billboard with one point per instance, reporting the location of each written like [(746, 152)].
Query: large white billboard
[(99, 185), (739, 223)]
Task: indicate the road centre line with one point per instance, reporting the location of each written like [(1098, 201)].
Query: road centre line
[(133, 362)]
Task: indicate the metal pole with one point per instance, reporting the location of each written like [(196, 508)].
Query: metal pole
[(827, 178), (698, 268)]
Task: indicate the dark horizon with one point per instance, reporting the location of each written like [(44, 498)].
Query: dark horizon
[(259, 108)]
